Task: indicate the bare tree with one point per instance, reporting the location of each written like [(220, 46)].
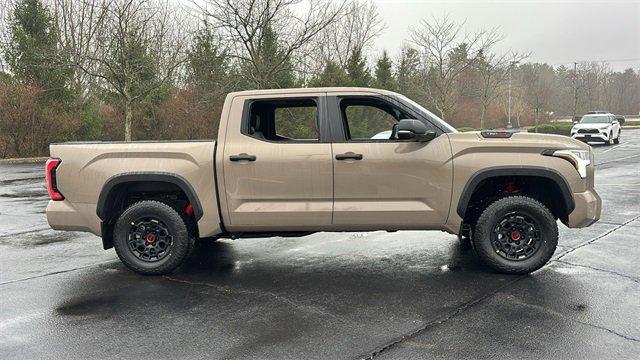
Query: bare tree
[(79, 22), (448, 51), (140, 47), (353, 32), (4, 34), (246, 25), (494, 71), (537, 83)]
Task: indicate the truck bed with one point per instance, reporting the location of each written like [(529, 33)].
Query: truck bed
[(86, 168)]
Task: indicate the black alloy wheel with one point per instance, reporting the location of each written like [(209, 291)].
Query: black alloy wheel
[(516, 236), (149, 239)]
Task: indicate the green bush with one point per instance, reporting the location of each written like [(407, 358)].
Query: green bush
[(559, 129)]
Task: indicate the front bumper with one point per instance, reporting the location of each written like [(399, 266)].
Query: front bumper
[(587, 210), (601, 137)]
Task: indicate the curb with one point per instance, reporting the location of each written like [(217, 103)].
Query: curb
[(14, 161)]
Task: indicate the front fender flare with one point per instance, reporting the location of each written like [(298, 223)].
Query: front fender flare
[(533, 171)]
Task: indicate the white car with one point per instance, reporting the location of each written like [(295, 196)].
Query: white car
[(597, 127), (385, 135)]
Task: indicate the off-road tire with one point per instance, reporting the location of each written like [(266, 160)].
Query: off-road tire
[(178, 226), (489, 220), (610, 141), (617, 140)]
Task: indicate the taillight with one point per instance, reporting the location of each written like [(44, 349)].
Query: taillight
[(50, 177)]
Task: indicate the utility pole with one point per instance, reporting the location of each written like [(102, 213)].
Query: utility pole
[(575, 90), (509, 126)]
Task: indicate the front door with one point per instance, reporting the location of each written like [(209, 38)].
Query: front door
[(278, 174), (381, 182)]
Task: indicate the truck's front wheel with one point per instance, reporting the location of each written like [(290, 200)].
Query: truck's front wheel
[(516, 235), (152, 238)]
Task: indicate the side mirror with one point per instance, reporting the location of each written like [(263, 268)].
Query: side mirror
[(410, 129), (620, 120)]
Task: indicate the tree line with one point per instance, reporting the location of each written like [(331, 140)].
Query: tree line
[(154, 69)]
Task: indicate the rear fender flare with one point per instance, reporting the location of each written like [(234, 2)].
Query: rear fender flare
[(182, 183)]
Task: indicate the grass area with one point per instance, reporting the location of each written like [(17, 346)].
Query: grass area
[(632, 123), (467, 129)]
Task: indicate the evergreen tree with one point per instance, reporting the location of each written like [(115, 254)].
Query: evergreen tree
[(332, 75), (408, 75), (270, 67), (208, 62), (32, 54), (357, 69), (384, 74)]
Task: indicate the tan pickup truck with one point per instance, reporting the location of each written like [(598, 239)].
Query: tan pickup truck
[(290, 162)]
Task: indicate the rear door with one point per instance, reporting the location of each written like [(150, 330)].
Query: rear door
[(278, 171), (381, 182)]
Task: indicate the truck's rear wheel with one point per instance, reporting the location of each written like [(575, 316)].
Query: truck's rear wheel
[(516, 235), (152, 238)]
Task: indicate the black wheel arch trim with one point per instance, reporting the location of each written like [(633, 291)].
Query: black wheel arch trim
[(537, 171), (167, 177)]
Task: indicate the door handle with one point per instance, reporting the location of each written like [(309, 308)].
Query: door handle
[(349, 156), (242, 157)]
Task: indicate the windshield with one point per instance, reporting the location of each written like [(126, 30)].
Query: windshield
[(594, 119), (427, 113)]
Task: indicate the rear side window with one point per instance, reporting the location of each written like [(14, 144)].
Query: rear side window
[(283, 120)]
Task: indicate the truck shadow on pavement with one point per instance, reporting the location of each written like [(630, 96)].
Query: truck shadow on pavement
[(217, 269)]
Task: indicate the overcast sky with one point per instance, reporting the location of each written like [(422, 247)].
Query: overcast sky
[(556, 32)]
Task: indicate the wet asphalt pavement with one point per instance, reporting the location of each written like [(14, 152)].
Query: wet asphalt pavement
[(402, 295)]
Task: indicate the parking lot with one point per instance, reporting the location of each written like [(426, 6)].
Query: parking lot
[(328, 295)]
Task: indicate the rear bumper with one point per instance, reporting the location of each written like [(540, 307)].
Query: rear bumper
[(587, 210), (63, 215)]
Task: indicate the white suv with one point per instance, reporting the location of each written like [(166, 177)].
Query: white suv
[(597, 127)]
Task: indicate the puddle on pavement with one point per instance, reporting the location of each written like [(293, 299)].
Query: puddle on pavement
[(29, 194), (580, 307), (87, 306), (37, 238), (21, 180)]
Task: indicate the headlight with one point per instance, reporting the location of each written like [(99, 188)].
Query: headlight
[(579, 158)]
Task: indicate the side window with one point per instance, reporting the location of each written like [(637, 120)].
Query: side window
[(283, 120), (296, 122), (370, 119)]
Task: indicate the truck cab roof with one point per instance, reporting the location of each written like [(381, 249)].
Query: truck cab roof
[(312, 90)]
